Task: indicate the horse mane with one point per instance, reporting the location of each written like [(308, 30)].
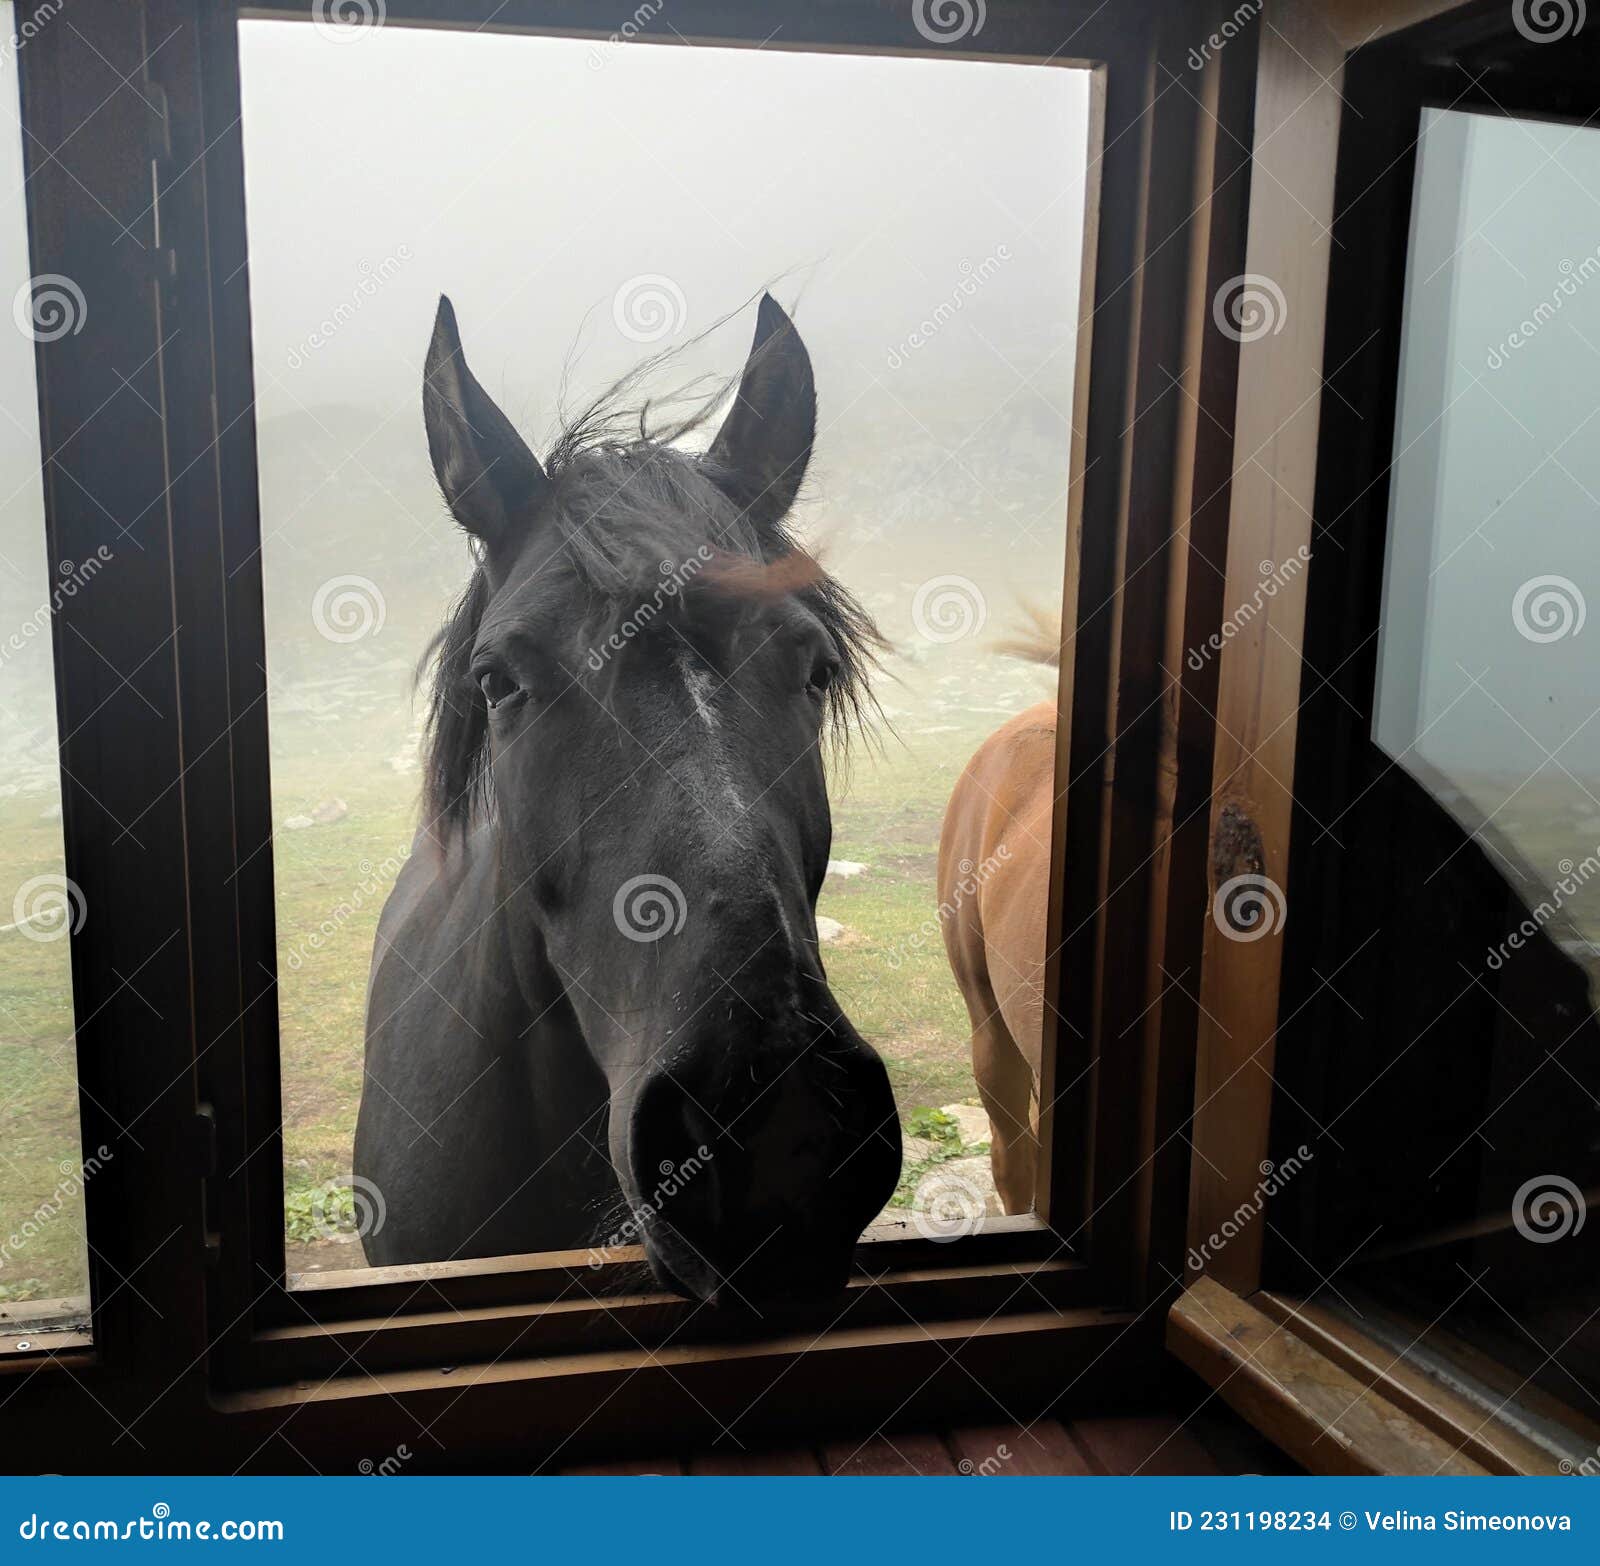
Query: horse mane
[(631, 507), (1038, 640)]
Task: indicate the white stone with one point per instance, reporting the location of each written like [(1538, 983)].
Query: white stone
[(829, 930), (977, 1173)]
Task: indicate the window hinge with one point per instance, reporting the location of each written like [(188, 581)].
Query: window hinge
[(155, 96), (201, 1161), (201, 1148), (159, 124)]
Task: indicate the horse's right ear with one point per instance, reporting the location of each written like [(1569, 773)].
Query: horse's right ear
[(490, 480), (761, 452)]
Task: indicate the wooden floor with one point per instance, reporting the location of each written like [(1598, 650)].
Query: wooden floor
[(1208, 1439)]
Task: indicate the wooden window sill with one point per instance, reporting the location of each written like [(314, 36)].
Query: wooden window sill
[(1342, 1401)]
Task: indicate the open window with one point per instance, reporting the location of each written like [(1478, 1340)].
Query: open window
[(933, 280), (1397, 1107)]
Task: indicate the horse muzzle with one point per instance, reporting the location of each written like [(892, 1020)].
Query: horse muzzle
[(762, 1167)]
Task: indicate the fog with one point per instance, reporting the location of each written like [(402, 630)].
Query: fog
[(534, 178), (27, 693), (589, 205)]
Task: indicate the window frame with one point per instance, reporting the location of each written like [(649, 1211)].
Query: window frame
[(1293, 757), (202, 1199)]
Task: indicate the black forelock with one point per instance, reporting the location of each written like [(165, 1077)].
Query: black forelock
[(628, 509)]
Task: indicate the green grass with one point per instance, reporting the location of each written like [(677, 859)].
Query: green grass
[(38, 1078), (942, 1134)]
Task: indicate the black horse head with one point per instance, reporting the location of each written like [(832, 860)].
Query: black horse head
[(631, 705)]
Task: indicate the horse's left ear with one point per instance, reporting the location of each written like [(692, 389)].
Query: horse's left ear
[(760, 454)]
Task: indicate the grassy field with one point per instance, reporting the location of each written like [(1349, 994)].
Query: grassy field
[(345, 790), (332, 877), (41, 1214)]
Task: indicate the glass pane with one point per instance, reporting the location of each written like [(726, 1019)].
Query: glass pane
[(1469, 1105), (43, 1260), (1486, 688), (923, 222)]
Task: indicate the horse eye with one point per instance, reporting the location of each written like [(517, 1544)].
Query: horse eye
[(823, 674), (496, 686)]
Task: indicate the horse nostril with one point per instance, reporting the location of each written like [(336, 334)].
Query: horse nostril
[(701, 1129), (674, 1156)]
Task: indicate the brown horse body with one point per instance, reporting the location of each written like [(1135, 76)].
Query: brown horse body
[(994, 874)]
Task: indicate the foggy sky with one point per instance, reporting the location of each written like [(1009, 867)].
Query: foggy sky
[(532, 178), (923, 221)]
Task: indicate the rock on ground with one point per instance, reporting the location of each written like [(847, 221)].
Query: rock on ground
[(976, 1173), (972, 1120)]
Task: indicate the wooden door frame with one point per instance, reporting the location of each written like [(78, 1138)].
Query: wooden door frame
[(1338, 1399), (1299, 110)]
